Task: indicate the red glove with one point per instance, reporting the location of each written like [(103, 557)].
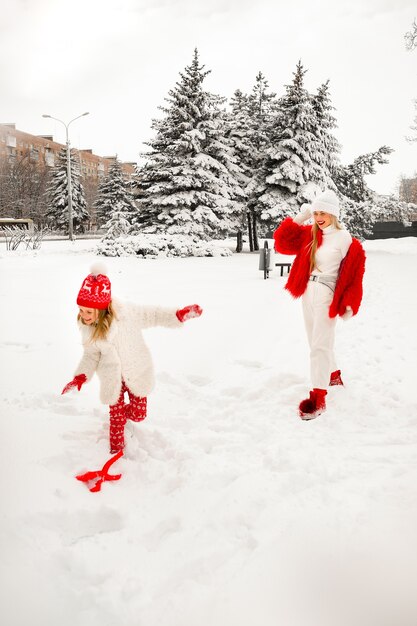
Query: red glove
[(77, 381), (188, 312)]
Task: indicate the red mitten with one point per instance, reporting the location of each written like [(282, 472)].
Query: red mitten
[(77, 381), (188, 312)]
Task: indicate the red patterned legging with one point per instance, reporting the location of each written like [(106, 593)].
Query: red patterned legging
[(120, 412)]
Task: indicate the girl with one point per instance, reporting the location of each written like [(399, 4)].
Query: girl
[(327, 271), (114, 346)]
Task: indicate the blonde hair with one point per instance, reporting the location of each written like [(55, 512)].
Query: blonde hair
[(103, 323), (314, 241)]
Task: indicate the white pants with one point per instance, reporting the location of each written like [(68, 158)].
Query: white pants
[(320, 332)]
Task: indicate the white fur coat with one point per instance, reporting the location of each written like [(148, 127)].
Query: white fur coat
[(124, 354)]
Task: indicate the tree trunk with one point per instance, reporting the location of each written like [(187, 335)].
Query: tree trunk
[(255, 233), (239, 241), (250, 232)]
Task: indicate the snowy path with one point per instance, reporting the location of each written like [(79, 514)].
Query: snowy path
[(230, 511)]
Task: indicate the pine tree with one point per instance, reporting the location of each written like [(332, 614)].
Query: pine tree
[(240, 138), (57, 213), (261, 108), (240, 135), (114, 190), (247, 129), (350, 179), (295, 164), (188, 184), (328, 148), (118, 223)]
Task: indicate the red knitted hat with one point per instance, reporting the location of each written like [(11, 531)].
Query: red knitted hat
[(95, 292)]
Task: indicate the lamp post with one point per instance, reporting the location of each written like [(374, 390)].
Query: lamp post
[(70, 224)]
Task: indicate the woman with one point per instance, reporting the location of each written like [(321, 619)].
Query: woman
[(327, 272)]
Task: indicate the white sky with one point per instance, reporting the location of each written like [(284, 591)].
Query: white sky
[(118, 59)]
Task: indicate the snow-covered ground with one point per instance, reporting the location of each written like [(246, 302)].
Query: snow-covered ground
[(231, 511)]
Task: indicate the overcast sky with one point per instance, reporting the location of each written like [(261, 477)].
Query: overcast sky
[(118, 59)]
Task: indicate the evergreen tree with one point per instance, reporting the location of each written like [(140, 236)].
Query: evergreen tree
[(360, 217), (188, 184), (297, 164), (247, 129), (328, 148), (261, 105), (240, 135), (350, 179), (261, 108), (238, 132), (57, 212), (114, 190), (118, 223)]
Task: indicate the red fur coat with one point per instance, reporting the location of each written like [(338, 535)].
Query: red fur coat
[(291, 238)]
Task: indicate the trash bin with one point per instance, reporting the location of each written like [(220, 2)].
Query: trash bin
[(266, 259)]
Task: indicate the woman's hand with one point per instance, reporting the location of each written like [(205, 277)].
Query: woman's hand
[(77, 381), (188, 312), (347, 314), (303, 215)]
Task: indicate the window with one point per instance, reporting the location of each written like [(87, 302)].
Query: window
[(11, 141), (49, 158)]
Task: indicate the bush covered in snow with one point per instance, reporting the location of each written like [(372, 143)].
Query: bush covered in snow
[(152, 246), (360, 217)]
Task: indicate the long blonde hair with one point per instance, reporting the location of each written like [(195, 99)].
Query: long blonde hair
[(103, 323), (314, 240)]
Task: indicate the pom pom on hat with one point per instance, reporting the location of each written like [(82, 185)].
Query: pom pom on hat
[(95, 292), (327, 202), (98, 268)]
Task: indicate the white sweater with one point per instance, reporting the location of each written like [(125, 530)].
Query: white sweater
[(124, 354), (332, 251)]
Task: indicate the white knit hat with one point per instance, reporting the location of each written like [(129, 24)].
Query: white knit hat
[(327, 202)]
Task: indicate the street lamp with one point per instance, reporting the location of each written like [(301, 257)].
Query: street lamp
[(71, 234)]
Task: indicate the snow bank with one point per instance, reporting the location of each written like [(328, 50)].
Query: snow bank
[(154, 246)]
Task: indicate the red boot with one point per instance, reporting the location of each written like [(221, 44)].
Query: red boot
[(313, 406), (335, 378)]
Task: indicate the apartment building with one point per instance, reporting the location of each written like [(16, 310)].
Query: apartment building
[(43, 150)]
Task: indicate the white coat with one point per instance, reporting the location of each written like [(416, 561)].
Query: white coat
[(123, 354)]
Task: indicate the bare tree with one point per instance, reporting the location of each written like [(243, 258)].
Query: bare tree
[(411, 44), (408, 189), (23, 183), (411, 37)]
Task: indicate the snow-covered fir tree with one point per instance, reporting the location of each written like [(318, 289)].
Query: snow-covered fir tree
[(118, 223), (114, 190), (237, 127), (360, 217), (261, 104), (297, 164), (189, 184), (350, 179), (57, 214), (247, 129), (328, 147), (261, 107)]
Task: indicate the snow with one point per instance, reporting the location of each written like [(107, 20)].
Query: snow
[(230, 511)]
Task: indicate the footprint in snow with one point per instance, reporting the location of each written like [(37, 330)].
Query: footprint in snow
[(164, 530), (77, 525), (250, 364), (199, 381)]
